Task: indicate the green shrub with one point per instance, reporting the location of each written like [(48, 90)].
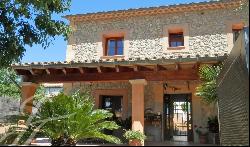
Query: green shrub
[(74, 118), (130, 135)]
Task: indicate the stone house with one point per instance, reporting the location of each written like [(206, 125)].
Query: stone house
[(144, 63)]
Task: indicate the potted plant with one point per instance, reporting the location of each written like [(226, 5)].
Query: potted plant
[(213, 127), (202, 132), (213, 124), (135, 138)]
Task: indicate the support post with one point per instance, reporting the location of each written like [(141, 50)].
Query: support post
[(138, 104), (28, 90)]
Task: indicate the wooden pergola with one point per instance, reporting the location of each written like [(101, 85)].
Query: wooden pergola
[(150, 70), (137, 72)]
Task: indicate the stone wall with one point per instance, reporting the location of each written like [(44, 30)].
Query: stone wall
[(150, 100), (8, 106), (145, 34), (234, 108), (233, 93)]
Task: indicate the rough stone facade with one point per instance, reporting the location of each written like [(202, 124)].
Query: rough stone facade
[(8, 106), (207, 35), (233, 93), (149, 93)]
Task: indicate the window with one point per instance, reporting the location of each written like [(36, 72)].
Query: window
[(236, 29), (233, 30), (236, 33), (114, 46), (52, 91), (176, 39), (112, 103)]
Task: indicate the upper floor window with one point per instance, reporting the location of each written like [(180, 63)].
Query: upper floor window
[(176, 39), (236, 29), (114, 46), (236, 33)]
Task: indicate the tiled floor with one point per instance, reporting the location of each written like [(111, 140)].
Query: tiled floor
[(176, 143), (44, 142), (146, 144), (180, 138)]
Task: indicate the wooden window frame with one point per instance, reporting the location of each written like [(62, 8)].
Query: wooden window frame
[(173, 40), (116, 46), (175, 28)]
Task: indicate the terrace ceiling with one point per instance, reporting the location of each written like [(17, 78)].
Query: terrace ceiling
[(156, 70)]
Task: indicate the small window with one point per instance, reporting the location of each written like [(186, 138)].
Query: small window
[(111, 103), (114, 46), (176, 39), (236, 29), (236, 33)]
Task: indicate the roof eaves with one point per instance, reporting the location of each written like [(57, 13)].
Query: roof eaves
[(150, 8), (123, 62)]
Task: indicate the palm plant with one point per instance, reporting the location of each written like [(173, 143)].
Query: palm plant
[(73, 118), (207, 90)]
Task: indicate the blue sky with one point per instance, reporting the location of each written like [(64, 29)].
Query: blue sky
[(57, 50)]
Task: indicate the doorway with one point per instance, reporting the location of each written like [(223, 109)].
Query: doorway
[(177, 117)]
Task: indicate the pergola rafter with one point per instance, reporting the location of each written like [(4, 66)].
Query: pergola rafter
[(154, 70)]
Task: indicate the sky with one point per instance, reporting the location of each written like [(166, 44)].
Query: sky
[(57, 50)]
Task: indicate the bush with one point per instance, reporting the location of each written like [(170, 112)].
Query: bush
[(74, 118), (130, 135)]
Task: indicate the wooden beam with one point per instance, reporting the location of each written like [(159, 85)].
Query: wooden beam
[(47, 71), (183, 74), (145, 68), (64, 71), (99, 69), (126, 68), (32, 72), (81, 70), (156, 68), (177, 66), (117, 68), (188, 85), (196, 66), (135, 68), (159, 68)]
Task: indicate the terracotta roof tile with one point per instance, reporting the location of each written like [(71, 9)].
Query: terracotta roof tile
[(215, 4)]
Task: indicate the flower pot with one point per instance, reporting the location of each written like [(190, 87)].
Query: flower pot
[(33, 141), (135, 142), (203, 139)]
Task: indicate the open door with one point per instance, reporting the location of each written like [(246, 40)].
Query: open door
[(178, 117)]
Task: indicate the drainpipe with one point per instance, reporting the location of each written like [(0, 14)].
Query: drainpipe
[(246, 41)]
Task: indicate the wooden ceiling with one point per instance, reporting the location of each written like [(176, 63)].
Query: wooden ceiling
[(81, 72)]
